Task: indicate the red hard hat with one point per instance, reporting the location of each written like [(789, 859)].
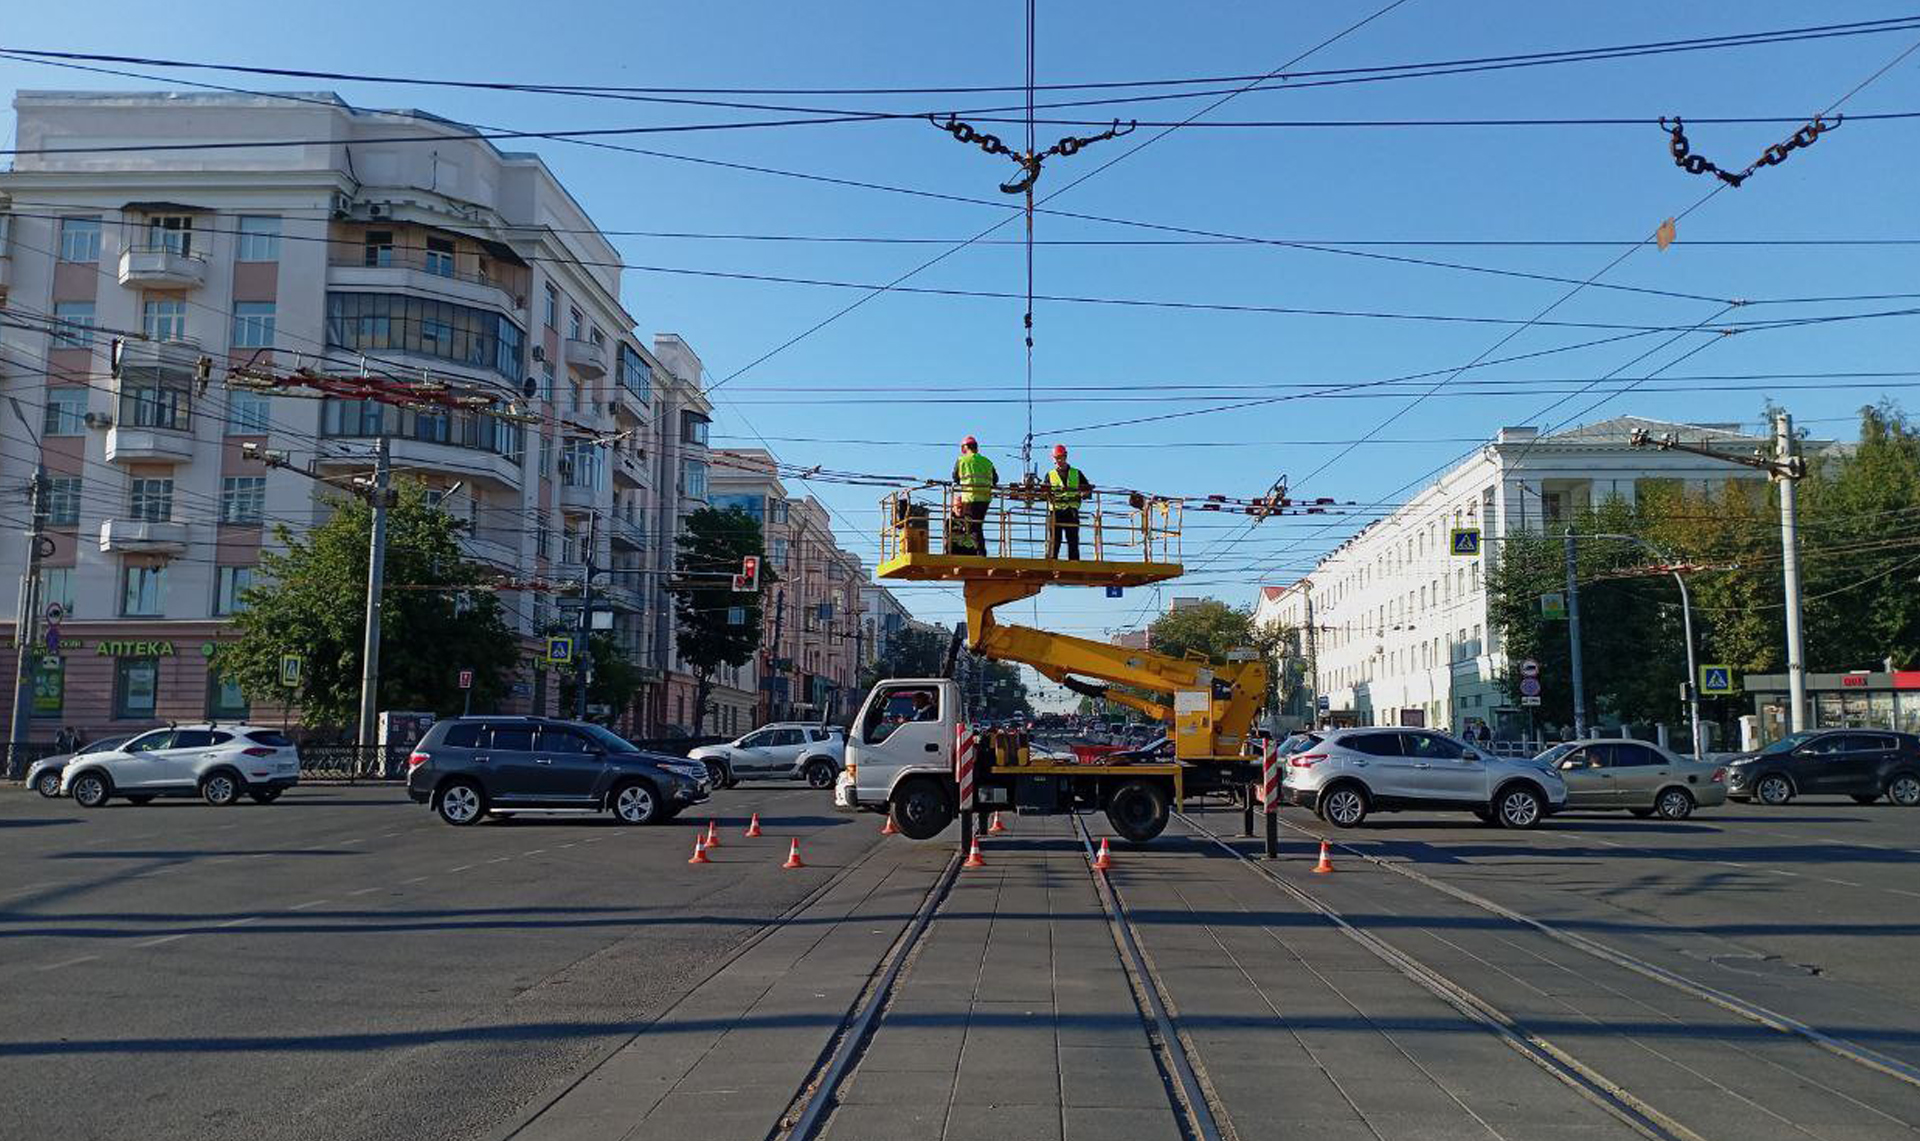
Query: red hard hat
[(1059, 451), (969, 442)]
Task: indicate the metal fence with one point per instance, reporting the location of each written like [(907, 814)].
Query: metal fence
[(353, 762)]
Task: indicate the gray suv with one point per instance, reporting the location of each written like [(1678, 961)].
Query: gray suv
[(470, 766)]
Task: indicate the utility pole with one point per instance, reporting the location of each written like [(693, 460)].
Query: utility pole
[(773, 664), (1573, 641), (26, 629), (582, 655), (380, 499), (1788, 466)]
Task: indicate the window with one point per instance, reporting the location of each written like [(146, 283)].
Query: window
[(465, 735), (164, 318), (378, 249), (259, 239), (152, 500), (1430, 747), (693, 428), (573, 324), (463, 334), (512, 738), (634, 374), (224, 699), (145, 596), (553, 308), (172, 233), (778, 508), (1374, 744), (546, 381), (231, 586), (73, 322), (555, 739), (780, 553), (66, 411), (56, 584), (246, 412), (136, 693), (253, 324), (151, 404), (542, 534), (243, 498), (63, 500), (439, 257), (693, 479), (80, 239)]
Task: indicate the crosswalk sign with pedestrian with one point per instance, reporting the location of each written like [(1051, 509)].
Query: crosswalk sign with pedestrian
[(559, 650), (1716, 679), (1466, 541)]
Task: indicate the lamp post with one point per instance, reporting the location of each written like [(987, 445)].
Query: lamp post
[(1686, 620)]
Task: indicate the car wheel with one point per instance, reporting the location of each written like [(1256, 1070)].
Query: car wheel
[(461, 803), (1343, 806), (140, 798), (265, 796), (635, 802), (1138, 810), (90, 790), (819, 774), (718, 775), (1904, 790), (922, 809), (1674, 804), (47, 784), (1865, 797), (1774, 789), (1519, 807), (220, 788)]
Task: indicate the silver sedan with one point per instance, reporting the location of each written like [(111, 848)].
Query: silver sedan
[(1640, 777)]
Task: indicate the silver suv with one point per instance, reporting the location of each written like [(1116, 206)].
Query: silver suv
[(1344, 774), (786, 750)]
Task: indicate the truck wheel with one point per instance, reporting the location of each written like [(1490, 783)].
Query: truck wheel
[(921, 809), (1138, 810)]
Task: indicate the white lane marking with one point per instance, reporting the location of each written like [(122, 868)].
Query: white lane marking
[(1782, 872), (388, 835), (1842, 883), (563, 845), (162, 939), (307, 904), (461, 868), (416, 879), (1904, 891), (364, 891), (535, 852), (595, 840), (69, 962), (239, 922), (499, 859), (355, 840)]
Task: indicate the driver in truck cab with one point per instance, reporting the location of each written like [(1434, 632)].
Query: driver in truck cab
[(897, 711)]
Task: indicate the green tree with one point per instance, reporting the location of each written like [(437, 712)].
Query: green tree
[(615, 678), (1214, 629), (435, 619), (911, 652), (716, 625)]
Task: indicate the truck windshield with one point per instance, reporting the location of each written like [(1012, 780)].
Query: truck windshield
[(898, 707)]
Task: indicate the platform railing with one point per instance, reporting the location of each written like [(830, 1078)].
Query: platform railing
[(1117, 527)]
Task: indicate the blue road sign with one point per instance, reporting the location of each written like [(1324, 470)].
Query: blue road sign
[(1116, 591), (1466, 541), (559, 651), (1716, 679), (1324, 702)]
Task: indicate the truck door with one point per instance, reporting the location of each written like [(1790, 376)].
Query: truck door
[(905, 725)]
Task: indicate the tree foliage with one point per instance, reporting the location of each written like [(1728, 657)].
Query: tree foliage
[(1214, 629), (310, 599), (911, 652), (615, 678), (716, 625)]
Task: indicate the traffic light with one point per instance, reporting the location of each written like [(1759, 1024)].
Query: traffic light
[(748, 580)]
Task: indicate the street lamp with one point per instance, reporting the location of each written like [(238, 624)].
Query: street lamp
[(1686, 619)]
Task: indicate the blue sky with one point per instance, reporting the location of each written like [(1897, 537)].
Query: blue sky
[(901, 359)]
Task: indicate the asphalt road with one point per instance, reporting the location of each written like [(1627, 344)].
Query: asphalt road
[(342, 964)]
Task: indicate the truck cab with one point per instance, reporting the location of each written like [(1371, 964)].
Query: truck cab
[(900, 754)]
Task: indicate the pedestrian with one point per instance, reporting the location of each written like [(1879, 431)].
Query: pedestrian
[(973, 480), (1067, 487)]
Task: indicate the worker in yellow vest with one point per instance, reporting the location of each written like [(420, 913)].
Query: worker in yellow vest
[(1067, 487), (973, 480)]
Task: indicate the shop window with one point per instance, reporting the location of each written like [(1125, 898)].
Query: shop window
[(136, 687)]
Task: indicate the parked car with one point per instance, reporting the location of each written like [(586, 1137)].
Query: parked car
[(1865, 764), (1644, 779), (216, 762), (1345, 774), (786, 750), (43, 775), (467, 767)]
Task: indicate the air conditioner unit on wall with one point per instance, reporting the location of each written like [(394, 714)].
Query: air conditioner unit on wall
[(379, 209), (97, 420), (342, 206)]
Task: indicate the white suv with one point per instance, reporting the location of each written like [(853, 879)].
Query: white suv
[(1344, 774), (216, 762), (790, 750)]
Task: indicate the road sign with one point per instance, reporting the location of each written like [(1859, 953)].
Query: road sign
[(55, 612), (1465, 541), (1716, 680), (560, 650), (1529, 687), (290, 667), (1116, 591), (1323, 703), (1529, 668), (1553, 605), (1529, 701), (466, 679), (53, 639)]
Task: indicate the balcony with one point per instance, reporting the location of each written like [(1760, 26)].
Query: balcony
[(628, 469), (619, 595), (161, 267), (627, 533), (587, 359), (148, 445), (406, 271), (168, 356), (578, 497), (143, 537)]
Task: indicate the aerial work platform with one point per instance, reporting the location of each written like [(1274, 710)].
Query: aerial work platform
[(1126, 539)]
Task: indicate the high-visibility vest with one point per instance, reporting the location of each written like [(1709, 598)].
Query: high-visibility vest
[(1067, 492), (973, 474)]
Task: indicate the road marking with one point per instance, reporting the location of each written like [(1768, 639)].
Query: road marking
[(1904, 891), (461, 868), (595, 840), (355, 840), (388, 835), (535, 852), (69, 962), (416, 879), (1842, 883), (499, 859), (162, 939), (304, 906), (364, 891), (1782, 872), (563, 845), (239, 922)]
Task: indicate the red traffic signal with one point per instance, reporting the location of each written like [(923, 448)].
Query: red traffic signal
[(748, 580)]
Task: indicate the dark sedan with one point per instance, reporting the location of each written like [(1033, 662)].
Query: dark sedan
[(43, 776), (1865, 764), (470, 766)]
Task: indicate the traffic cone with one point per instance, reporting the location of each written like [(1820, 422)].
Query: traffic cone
[(973, 857), (887, 829), (1326, 858), (753, 826), (793, 856), (699, 853), (997, 827), (1103, 861), (713, 835)]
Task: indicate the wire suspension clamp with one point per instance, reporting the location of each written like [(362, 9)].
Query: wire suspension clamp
[(1030, 162), (1685, 159)]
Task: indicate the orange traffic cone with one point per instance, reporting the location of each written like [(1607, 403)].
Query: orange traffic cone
[(699, 853), (1103, 861), (1326, 858), (713, 835), (753, 826), (887, 829), (973, 857), (793, 856), (997, 826)]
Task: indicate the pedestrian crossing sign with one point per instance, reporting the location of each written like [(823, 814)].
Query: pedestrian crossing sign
[(1716, 679), (559, 651), (1466, 541)]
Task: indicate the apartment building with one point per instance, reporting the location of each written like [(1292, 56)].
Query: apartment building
[(1391, 627), (883, 617), (389, 240)]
